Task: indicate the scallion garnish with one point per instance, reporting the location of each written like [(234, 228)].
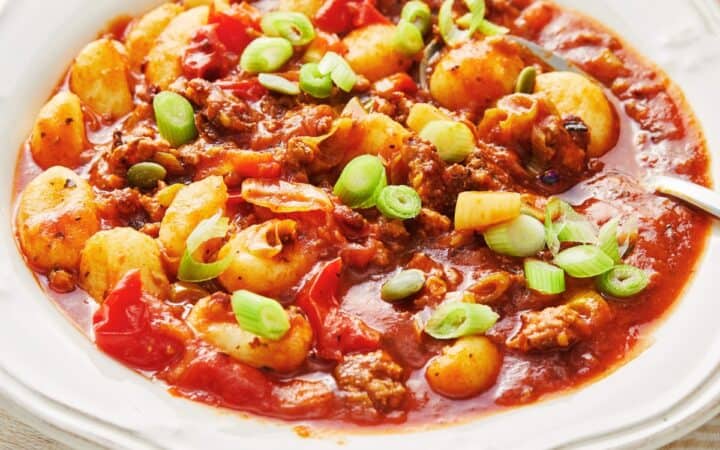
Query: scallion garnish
[(340, 71), (361, 182), (402, 285), (474, 21), (399, 202), (543, 277), (260, 315), (522, 236), (313, 82), (293, 26), (608, 239), (194, 271), (454, 141), (266, 54), (455, 319), (418, 14), (407, 38), (623, 281), (584, 261), (279, 84), (175, 118)]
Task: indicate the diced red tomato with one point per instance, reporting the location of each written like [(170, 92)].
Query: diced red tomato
[(237, 26), (228, 382), (124, 328), (399, 82), (336, 332), (206, 56), (249, 89), (341, 16), (253, 164)]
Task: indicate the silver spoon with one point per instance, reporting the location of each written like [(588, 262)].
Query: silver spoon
[(699, 196)]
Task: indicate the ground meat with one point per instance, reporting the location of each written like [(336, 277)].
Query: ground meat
[(304, 120), (561, 326), (371, 384)]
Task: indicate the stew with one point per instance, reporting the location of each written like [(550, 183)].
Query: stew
[(361, 211)]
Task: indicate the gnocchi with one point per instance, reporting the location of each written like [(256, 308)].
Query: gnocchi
[(267, 258), (99, 76), (284, 355), (163, 60), (475, 75), (307, 7), (575, 95), (56, 215), (192, 204), (108, 255), (58, 136), (371, 52), (144, 32), (466, 368)]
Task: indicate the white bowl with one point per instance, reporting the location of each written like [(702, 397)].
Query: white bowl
[(60, 379)]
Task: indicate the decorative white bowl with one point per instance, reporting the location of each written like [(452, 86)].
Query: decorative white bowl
[(55, 377)]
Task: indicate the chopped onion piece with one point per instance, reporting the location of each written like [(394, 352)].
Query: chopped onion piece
[(543, 277), (584, 261), (522, 236), (194, 271)]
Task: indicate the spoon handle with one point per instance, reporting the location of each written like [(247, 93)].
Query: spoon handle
[(692, 193)]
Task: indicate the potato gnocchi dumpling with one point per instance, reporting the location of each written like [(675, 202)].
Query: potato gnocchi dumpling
[(376, 134), (465, 368), (144, 32), (476, 74), (163, 60), (108, 255), (371, 53), (284, 355), (99, 76), (56, 215), (58, 136), (575, 95), (198, 201), (268, 258), (307, 7)]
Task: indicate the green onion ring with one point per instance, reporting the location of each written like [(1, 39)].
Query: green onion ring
[(399, 202), (261, 316)]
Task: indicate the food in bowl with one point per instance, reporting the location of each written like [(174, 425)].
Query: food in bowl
[(361, 212)]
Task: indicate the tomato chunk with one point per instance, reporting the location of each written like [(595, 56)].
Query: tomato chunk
[(206, 57), (336, 332), (237, 26), (249, 89), (341, 16), (125, 329)]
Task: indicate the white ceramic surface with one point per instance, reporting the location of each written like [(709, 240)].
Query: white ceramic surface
[(58, 376)]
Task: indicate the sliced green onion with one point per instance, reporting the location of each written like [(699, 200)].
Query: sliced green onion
[(522, 236), (455, 319), (175, 118), (474, 21), (313, 82), (145, 175), (399, 202), (407, 38), (551, 233), (526, 80), (543, 277), (260, 315), (293, 26), (609, 240), (340, 71), (193, 270), (418, 14), (361, 182), (403, 285), (627, 235), (266, 54), (278, 84), (454, 141), (584, 261), (574, 227), (623, 281)]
